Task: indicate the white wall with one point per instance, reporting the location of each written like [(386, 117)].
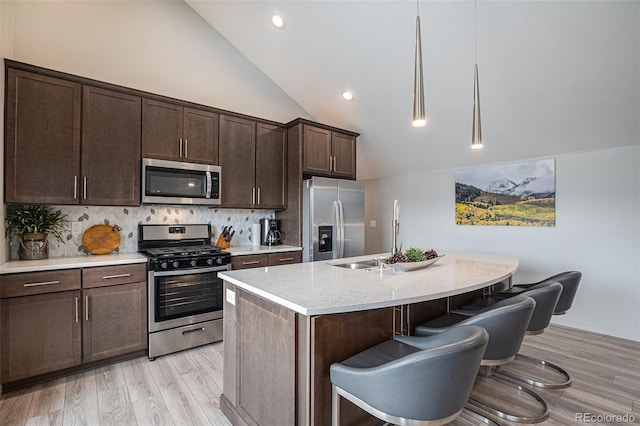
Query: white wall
[(162, 47), (597, 232)]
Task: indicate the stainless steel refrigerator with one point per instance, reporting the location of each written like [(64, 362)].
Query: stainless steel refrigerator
[(332, 219)]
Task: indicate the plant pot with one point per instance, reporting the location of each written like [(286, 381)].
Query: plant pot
[(33, 247)]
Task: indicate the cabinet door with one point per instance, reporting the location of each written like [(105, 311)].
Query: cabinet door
[(161, 130), (343, 149), (271, 172), (110, 148), (238, 161), (42, 157), (249, 261), (200, 136), (39, 334), (114, 320), (316, 156)]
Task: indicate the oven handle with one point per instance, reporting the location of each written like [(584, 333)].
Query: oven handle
[(195, 330), (189, 271)]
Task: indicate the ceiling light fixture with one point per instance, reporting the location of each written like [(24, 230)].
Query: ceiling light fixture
[(347, 95), (278, 21), (476, 129), (419, 118)]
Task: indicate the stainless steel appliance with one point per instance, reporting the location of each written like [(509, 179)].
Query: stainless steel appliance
[(173, 182), (332, 219), (270, 234), (185, 295)]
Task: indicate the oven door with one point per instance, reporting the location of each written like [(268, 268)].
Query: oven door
[(184, 297)]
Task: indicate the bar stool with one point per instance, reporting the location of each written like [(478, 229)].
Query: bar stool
[(546, 295), (569, 281), (425, 383), (506, 322)]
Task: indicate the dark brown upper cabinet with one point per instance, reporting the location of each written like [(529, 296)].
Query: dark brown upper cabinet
[(253, 160), (110, 166), (42, 139), (51, 159), (174, 132), (328, 153)]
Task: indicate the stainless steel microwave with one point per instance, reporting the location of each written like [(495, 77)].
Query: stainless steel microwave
[(174, 182)]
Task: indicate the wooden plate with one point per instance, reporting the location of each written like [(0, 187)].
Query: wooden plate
[(101, 239)]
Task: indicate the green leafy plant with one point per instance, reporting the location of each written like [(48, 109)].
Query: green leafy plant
[(34, 219), (414, 254)]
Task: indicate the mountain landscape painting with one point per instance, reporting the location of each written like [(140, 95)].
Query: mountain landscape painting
[(516, 194)]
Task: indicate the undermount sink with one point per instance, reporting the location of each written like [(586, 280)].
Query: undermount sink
[(364, 264)]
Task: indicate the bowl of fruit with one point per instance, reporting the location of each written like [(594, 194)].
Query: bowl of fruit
[(413, 258)]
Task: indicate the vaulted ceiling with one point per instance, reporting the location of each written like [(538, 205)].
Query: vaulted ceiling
[(555, 76)]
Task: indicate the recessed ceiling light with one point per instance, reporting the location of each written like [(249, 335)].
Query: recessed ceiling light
[(278, 21), (347, 95)]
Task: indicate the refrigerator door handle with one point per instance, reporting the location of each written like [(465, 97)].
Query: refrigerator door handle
[(336, 226), (341, 227)]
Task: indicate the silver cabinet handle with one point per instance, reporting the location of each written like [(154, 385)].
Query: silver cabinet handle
[(286, 259), (40, 283), (75, 187), (186, 148), (253, 195), (258, 196), (108, 277), (180, 147), (253, 262), (77, 319), (84, 187), (86, 308)]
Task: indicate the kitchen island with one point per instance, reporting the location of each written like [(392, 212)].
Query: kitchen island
[(284, 326)]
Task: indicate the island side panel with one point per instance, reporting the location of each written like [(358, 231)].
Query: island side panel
[(266, 336), (229, 397), (335, 338)]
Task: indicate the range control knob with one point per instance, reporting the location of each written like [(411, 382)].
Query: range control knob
[(164, 265), (219, 261), (193, 262), (210, 261), (175, 264)]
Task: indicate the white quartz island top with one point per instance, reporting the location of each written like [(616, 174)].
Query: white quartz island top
[(319, 288)]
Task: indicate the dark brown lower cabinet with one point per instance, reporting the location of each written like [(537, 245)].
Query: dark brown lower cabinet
[(114, 321), (40, 334), (55, 320)]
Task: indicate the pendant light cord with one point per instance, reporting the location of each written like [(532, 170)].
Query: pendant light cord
[(475, 28)]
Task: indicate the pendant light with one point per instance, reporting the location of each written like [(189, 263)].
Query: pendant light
[(476, 130), (419, 118)]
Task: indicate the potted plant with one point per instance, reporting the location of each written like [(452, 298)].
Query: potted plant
[(32, 224)]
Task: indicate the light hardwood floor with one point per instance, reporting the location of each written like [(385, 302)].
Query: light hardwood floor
[(184, 388)]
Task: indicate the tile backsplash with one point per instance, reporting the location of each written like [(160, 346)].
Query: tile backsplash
[(128, 218)]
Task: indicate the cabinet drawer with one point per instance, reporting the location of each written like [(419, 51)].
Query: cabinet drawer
[(113, 275), (285, 258), (29, 283), (250, 261)]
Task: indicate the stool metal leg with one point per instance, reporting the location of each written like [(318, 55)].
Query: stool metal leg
[(511, 417), (565, 384), (335, 406), (477, 416)]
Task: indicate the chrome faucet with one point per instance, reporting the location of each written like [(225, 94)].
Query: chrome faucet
[(395, 225)]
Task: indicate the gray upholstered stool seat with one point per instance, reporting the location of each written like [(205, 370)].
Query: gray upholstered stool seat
[(424, 383), (546, 295), (506, 322)]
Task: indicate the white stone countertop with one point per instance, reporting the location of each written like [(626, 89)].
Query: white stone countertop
[(319, 288), (17, 266), (244, 250)]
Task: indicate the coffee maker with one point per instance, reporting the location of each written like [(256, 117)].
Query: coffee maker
[(270, 234)]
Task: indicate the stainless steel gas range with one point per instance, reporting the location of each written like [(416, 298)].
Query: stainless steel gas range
[(185, 295)]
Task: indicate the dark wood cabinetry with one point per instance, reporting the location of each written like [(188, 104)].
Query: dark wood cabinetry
[(253, 160), (110, 166), (42, 142), (328, 153), (174, 132), (60, 319), (267, 259)]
